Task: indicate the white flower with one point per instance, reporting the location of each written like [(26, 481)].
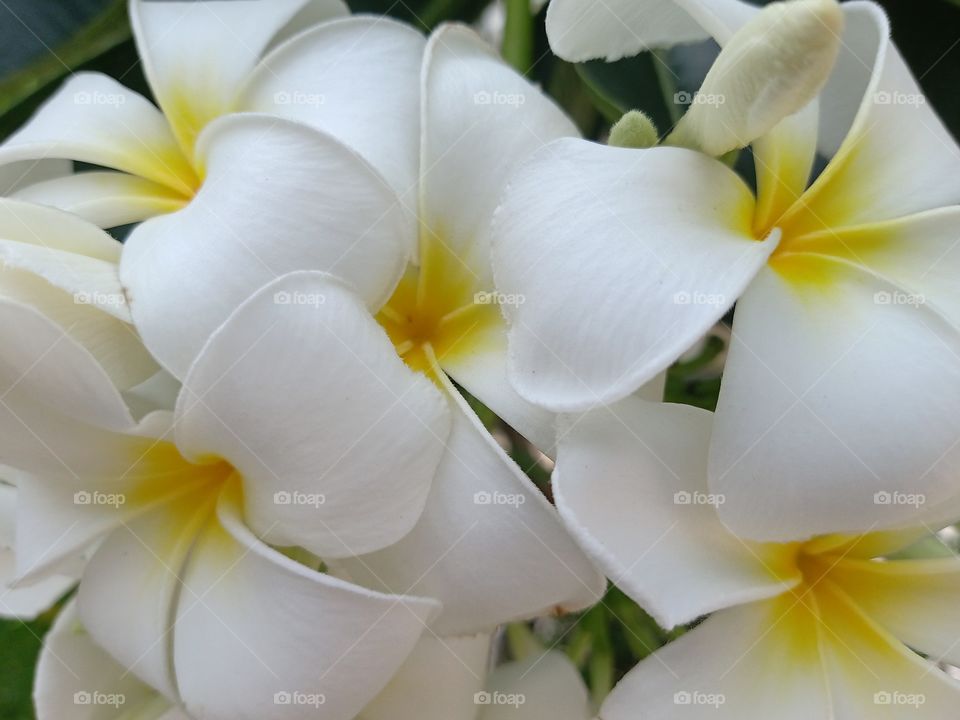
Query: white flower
[(247, 182), (811, 629), (843, 375), (183, 589)]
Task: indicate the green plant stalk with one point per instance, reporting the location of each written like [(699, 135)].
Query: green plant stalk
[(103, 33), (517, 48)]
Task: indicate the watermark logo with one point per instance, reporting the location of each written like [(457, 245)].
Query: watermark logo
[(699, 298), (899, 498), (299, 298), (99, 98), (296, 697), (698, 498), (283, 497), (685, 98), (899, 699), (485, 497), (97, 498), (898, 297), (885, 97), (514, 700), (498, 298), (101, 299), (684, 697), (298, 98), (114, 700), (484, 97)]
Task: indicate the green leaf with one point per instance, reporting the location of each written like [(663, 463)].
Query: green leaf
[(107, 30)]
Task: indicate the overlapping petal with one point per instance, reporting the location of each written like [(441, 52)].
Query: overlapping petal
[(658, 251), (630, 483), (833, 368), (486, 527), (265, 209), (254, 628), (337, 440)]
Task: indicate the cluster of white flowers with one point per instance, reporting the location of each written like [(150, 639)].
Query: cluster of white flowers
[(242, 431)]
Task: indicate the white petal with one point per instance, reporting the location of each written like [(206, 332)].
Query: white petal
[(489, 545), (94, 119), (255, 629), (18, 175), (480, 120), (279, 197), (336, 438), (359, 80), (545, 687), (914, 600), (483, 372), (107, 199), (580, 30), (834, 391), (895, 134), (129, 588), (77, 679), (630, 482), (746, 663), (24, 603), (624, 259), (439, 681), (197, 54)]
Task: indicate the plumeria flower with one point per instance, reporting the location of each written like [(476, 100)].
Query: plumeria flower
[(843, 375), (184, 510), (262, 109), (445, 678), (814, 629)]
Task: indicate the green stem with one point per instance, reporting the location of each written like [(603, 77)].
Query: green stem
[(517, 46), (668, 87)]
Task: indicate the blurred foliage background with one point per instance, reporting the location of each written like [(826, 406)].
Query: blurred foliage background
[(41, 41)]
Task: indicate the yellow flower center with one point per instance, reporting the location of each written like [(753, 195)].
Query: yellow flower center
[(437, 310)]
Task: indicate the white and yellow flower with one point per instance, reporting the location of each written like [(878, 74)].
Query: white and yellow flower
[(843, 376), (815, 629)]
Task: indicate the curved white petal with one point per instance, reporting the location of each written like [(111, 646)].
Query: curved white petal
[(580, 30), (359, 80), (94, 119), (439, 681), (630, 482), (197, 54), (745, 663), (258, 635), (488, 545), (483, 372), (624, 259), (129, 587), (77, 679), (480, 120), (836, 412), (914, 600), (337, 439), (889, 132), (25, 602), (107, 199), (278, 197), (18, 175)]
